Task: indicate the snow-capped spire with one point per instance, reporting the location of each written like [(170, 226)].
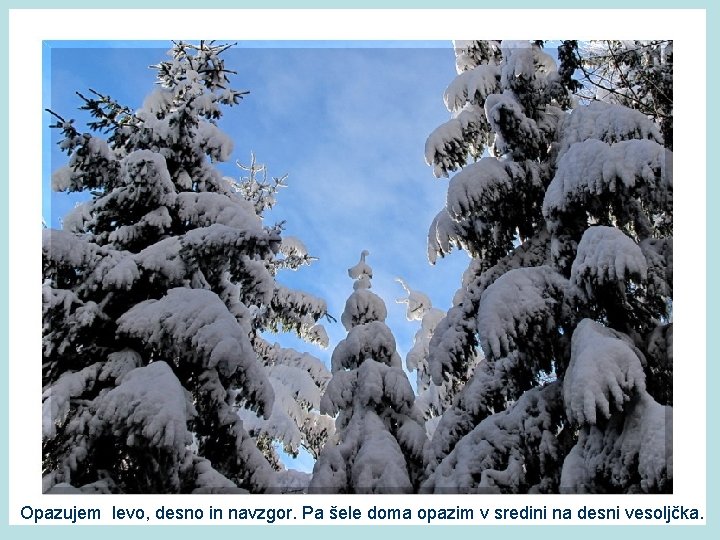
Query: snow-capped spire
[(362, 306), (380, 438), (361, 272)]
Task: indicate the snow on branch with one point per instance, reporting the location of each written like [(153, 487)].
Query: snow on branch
[(592, 171), (196, 327), (361, 307), (443, 235), (298, 312), (204, 209), (472, 86), (516, 132), (56, 398), (606, 254), (449, 145), (150, 403), (64, 249), (634, 450), (604, 374), (472, 53), (605, 122), (519, 309), (512, 451), (372, 339), (285, 418), (275, 355), (418, 303), (485, 188)]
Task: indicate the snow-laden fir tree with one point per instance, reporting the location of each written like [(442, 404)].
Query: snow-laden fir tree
[(298, 379), (379, 438), (432, 399), (567, 215), (154, 296)]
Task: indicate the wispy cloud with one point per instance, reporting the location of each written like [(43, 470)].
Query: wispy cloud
[(357, 175)]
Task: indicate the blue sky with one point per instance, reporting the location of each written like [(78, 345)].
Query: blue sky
[(346, 121)]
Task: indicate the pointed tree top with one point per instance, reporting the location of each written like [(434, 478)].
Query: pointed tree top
[(361, 272)]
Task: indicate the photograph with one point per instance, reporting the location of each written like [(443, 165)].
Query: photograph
[(357, 267)]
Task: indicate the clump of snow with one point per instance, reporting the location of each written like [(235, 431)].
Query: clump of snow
[(520, 60), (163, 258), (647, 434), (379, 465), (369, 340), (56, 398), (606, 254), (339, 392), (658, 253), (77, 218), (291, 246), (418, 303), (207, 208), (472, 53), (274, 355), (99, 148), (421, 345), (379, 384), (432, 400), (450, 342), (208, 480), (217, 238), (196, 326), (507, 452), (604, 374), (477, 187), (63, 178), (122, 275), (634, 450), (118, 364), (150, 403), (331, 476), (291, 481), (62, 247), (316, 334), (214, 142), (158, 101), (446, 147), (299, 311), (361, 307), (442, 236), (593, 169), (146, 180), (299, 383), (605, 122), (472, 86), (361, 271), (508, 120), (286, 416), (520, 303)]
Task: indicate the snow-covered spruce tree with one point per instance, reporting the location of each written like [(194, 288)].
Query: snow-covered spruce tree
[(569, 225), (379, 438), (298, 379), (154, 295), (432, 399)]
